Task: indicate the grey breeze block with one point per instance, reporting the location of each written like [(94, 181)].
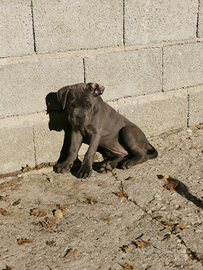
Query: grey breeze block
[(30, 82), (77, 24), (157, 20), (16, 28), (128, 73)]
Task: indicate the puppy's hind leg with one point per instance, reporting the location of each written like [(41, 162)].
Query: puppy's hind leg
[(135, 142), (137, 158), (109, 165), (110, 162)]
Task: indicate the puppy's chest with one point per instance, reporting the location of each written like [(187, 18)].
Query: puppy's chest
[(86, 132)]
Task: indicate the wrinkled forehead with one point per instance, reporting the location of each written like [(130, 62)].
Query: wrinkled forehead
[(80, 95)]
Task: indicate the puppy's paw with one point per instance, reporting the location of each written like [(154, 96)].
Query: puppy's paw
[(85, 171), (105, 167), (127, 164), (62, 168)]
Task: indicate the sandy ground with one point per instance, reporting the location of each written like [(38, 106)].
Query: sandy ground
[(126, 219)]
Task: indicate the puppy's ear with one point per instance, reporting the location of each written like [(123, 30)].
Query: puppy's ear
[(62, 95), (96, 89)]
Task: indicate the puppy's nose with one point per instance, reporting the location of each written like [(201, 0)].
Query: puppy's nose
[(80, 117)]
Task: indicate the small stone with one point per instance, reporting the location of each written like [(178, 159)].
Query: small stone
[(157, 197), (198, 231), (58, 214), (50, 180), (189, 130)]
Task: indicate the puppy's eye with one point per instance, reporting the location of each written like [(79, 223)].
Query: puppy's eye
[(88, 105)]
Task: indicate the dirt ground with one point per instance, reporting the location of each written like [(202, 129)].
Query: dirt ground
[(127, 219)]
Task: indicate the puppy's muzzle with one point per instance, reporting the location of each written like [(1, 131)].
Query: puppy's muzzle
[(80, 118)]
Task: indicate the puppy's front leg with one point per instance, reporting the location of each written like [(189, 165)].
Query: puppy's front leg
[(76, 141), (86, 169)]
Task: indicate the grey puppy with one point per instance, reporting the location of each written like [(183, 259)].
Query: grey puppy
[(97, 124)]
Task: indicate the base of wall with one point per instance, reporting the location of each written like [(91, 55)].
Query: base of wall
[(27, 140)]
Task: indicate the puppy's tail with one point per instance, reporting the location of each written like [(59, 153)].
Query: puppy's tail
[(152, 153)]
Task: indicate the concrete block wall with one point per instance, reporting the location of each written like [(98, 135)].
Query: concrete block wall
[(147, 54)]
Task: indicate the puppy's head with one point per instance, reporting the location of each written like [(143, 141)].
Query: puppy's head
[(80, 101)]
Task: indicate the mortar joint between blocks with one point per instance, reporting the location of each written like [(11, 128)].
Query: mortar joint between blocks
[(33, 26), (162, 67), (34, 147), (188, 108), (197, 24), (84, 70), (124, 22)]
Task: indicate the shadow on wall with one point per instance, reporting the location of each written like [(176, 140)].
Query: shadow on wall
[(58, 121)]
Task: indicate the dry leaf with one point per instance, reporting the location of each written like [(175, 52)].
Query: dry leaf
[(8, 267), (4, 198), (167, 223), (62, 207), (1, 176), (40, 166), (17, 202), (23, 241), (26, 169), (120, 194), (158, 217), (50, 220), (51, 243), (199, 127), (59, 232), (180, 226), (165, 177), (4, 185), (44, 224), (35, 223), (38, 212), (58, 213), (126, 248), (91, 201), (127, 266), (142, 244), (50, 180), (130, 178), (4, 212), (70, 253), (171, 186), (52, 164)]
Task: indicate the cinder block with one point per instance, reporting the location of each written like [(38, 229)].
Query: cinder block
[(17, 148), (155, 113), (182, 66), (24, 86), (48, 144), (158, 20), (129, 73), (195, 105), (27, 140), (16, 28), (72, 25)]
